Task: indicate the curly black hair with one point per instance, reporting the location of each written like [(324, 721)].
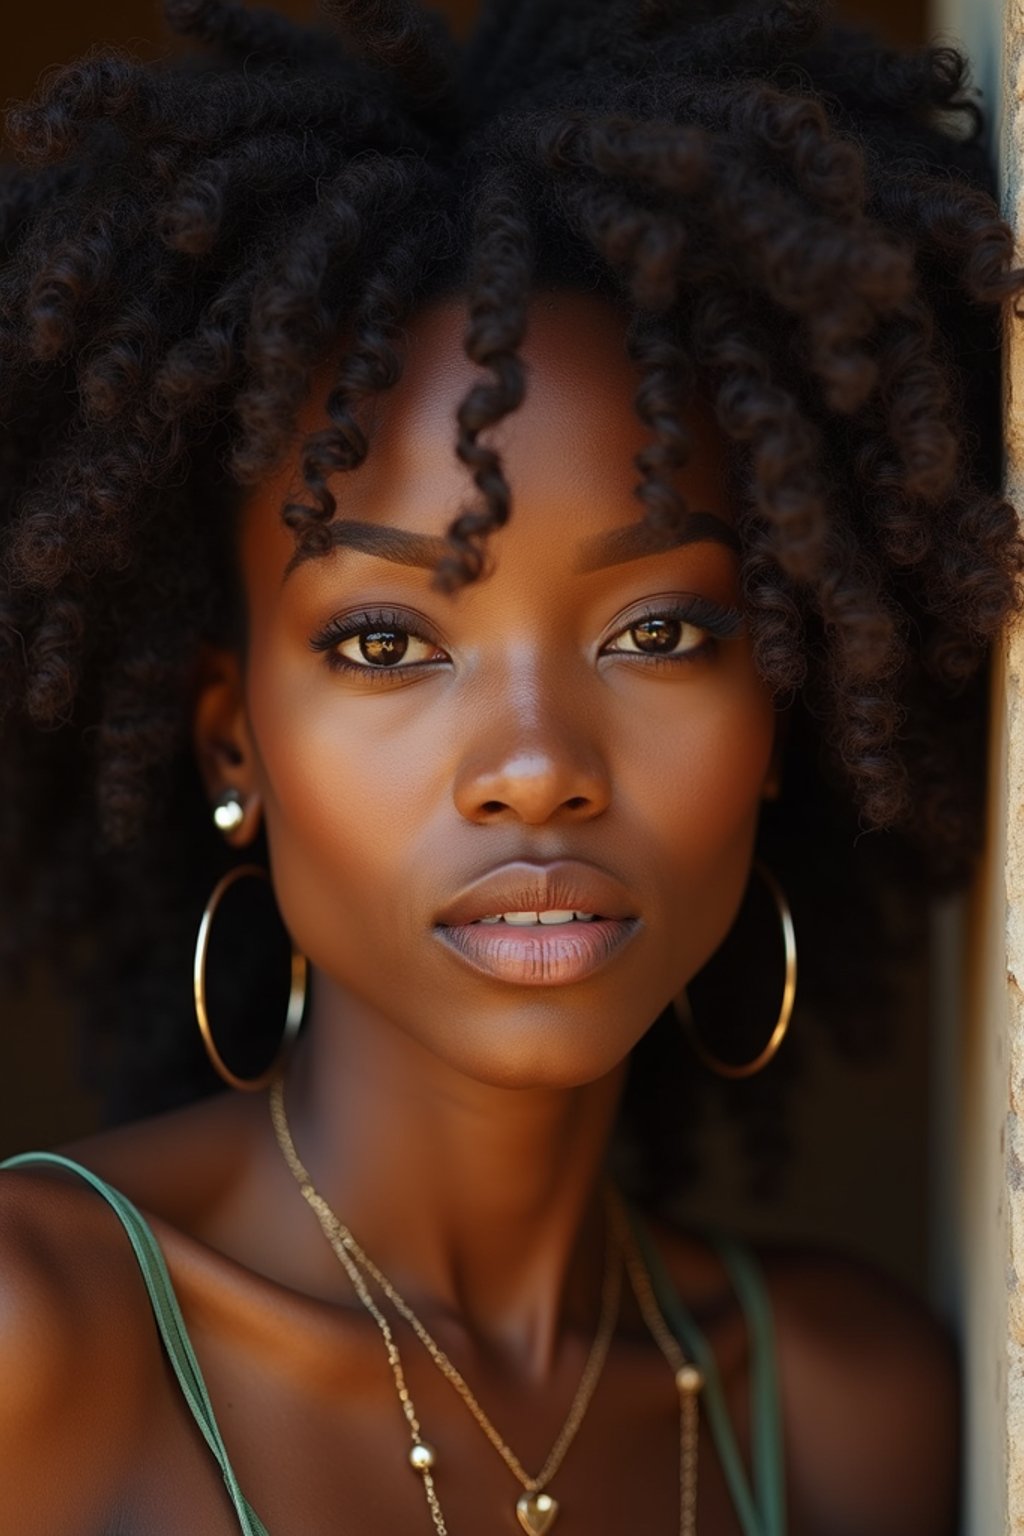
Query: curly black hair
[(798, 226)]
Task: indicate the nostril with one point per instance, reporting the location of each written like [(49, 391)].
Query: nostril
[(577, 803), (491, 806)]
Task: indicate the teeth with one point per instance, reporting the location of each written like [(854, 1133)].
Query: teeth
[(546, 919)]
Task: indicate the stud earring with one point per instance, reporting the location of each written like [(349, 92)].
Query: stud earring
[(229, 811)]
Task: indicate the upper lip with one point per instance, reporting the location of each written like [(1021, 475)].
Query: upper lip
[(563, 886)]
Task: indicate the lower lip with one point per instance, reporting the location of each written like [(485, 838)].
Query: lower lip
[(539, 956)]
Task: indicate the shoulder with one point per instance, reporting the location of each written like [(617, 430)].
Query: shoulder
[(870, 1399), (182, 1163), (75, 1354), (65, 1266), (868, 1386)]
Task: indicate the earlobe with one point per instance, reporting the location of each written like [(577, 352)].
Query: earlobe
[(222, 742)]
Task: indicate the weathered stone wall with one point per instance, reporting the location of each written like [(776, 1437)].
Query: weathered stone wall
[(988, 1201), (1013, 182)]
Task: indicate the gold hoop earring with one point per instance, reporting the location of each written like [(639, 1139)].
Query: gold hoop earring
[(778, 1034), (296, 997)]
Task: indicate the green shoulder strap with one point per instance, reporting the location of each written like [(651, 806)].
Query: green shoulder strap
[(766, 1408), (168, 1318), (762, 1510)]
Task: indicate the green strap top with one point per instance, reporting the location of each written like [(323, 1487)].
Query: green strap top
[(169, 1321), (760, 1507)]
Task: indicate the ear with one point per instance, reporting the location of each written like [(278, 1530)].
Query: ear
[(221, 738)]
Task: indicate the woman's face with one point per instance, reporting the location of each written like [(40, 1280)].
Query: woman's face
[(580, 730)]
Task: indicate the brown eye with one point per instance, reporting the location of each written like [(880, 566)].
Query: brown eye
[(671, 635), (656, 636), (373, 646), (383, 647)]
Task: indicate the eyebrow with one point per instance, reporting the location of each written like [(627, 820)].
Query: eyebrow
[(395, 544), (615, 547), (636, 540)]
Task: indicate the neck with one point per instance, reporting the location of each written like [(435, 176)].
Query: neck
[(476, 1200)]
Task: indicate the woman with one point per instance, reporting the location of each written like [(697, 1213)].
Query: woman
[(507, 772)]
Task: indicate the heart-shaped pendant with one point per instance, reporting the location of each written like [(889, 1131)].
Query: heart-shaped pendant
[(537, 1512)]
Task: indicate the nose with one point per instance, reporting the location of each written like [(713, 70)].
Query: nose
[(531, 764)]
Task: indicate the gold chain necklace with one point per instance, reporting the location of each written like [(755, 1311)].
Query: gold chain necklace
[(688, 1378), (535, 1509)]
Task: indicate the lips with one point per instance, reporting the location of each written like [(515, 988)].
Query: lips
[(567, 885), (541, 954)]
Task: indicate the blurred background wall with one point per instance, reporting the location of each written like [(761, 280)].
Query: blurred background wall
[(860, 1177)]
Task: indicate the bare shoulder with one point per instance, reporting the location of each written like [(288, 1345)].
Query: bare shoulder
[(867, 1380), (75, 1354), (869, 1388)]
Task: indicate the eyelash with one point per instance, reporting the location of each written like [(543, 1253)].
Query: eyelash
[(719, 623), (699, 612), (335, 631)]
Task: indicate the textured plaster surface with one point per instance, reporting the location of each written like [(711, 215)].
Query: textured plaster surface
[(986, 1202), (977, 1286), (1013, 179)]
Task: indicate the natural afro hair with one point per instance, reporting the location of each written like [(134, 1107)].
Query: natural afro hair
[(797, 225)]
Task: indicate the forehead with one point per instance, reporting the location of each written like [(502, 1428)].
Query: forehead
[(580, 385), (568, 451)]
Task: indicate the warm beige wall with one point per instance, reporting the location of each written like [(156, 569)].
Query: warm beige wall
[(973, 1200), (986, 1200), (1013, 175)]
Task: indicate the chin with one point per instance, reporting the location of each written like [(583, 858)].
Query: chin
[(552, 1054)]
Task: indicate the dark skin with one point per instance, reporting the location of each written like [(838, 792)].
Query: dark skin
[(457, 1120)]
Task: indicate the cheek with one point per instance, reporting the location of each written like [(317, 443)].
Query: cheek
[(704, 755), (699, 781), (347, 783), (330, 769)]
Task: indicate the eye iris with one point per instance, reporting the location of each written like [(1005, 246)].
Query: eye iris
[(385, 647), (656, 635)]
